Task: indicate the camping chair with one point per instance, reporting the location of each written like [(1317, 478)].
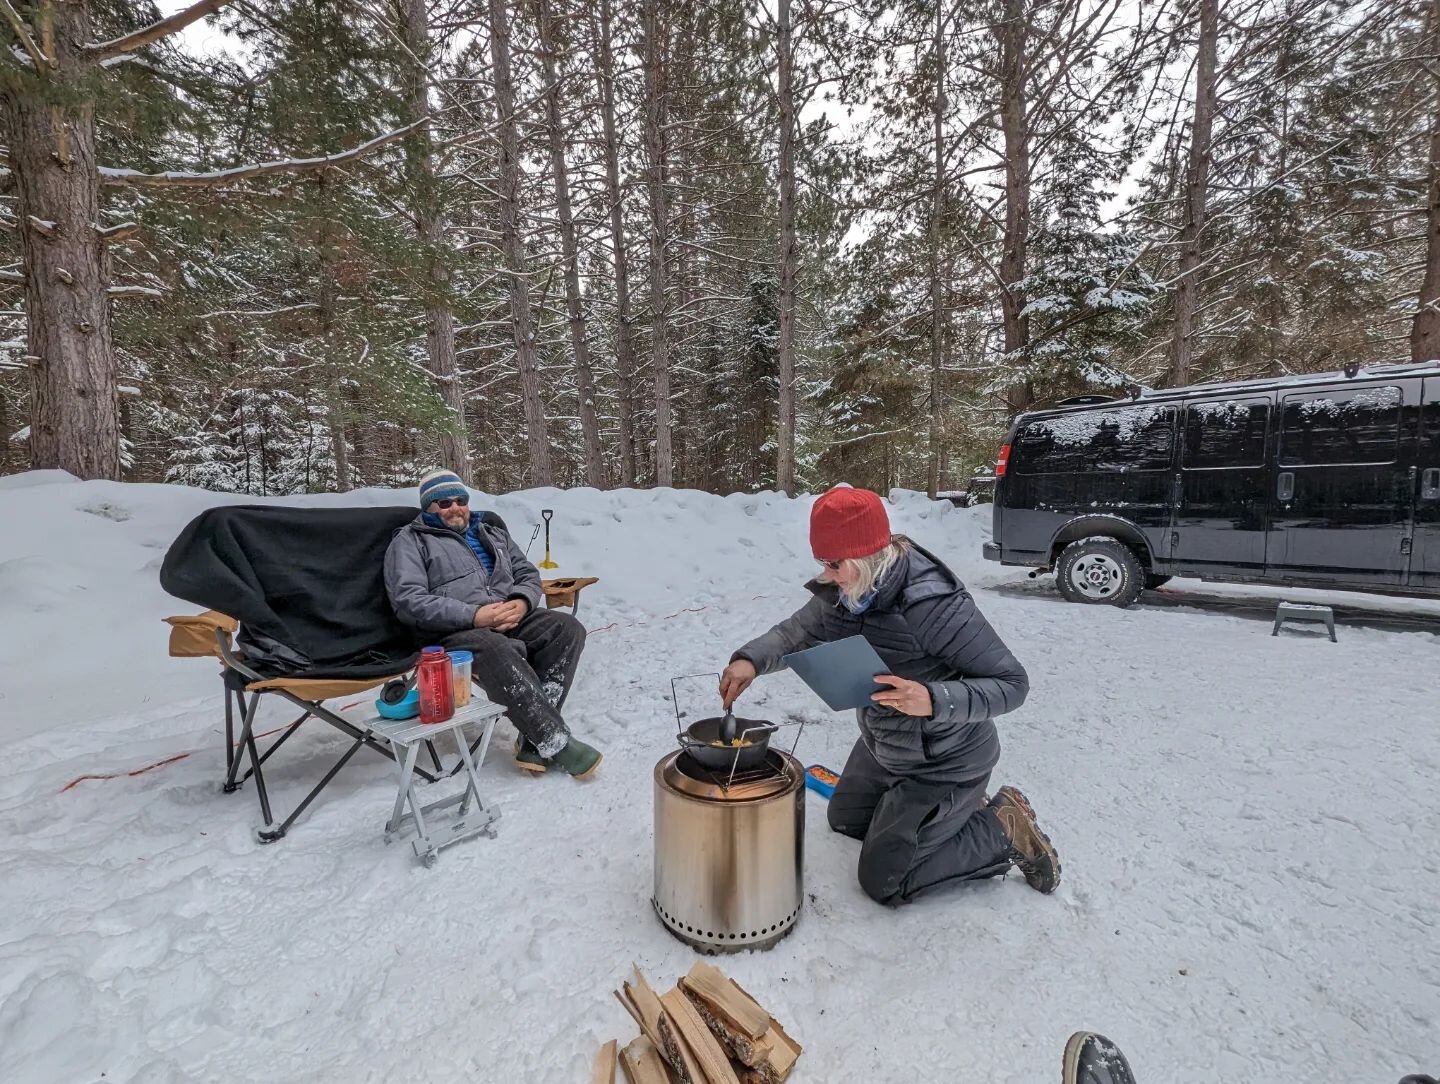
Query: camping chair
[(298, 611), (211, 635)]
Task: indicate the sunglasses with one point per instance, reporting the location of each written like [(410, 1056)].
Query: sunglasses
[(833, 566), (446, 502)]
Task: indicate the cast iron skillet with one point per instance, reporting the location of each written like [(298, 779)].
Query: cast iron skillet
[(722, 758)]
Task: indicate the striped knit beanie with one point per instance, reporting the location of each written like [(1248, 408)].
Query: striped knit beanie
[(439, 484)]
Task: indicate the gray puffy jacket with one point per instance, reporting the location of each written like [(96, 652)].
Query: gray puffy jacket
[(925, 627), (436, 583)]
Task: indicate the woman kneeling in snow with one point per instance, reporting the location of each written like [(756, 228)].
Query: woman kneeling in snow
[(914, 786)]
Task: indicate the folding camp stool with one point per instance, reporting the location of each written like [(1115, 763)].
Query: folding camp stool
[(1304, 614), (434, 826)]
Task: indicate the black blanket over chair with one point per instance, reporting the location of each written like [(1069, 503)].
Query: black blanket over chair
[(306, 586)]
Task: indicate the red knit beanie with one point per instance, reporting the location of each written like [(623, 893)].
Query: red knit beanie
[(847, 523)]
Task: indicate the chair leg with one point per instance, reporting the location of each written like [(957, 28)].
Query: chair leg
[(277, 743), (229, 729), (233, 755), (270, 835)]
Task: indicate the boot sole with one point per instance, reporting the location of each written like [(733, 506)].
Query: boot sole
[(1023, 802), (533, 769), (1070, 1064)]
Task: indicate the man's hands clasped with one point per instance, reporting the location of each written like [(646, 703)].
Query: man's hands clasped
[(501, 616)]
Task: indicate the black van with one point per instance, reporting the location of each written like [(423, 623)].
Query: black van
[(1327, 480)]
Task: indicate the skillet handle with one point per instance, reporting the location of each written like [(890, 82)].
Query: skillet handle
[(675, 697)]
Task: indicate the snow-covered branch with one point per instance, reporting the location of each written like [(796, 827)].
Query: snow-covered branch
[(135, 291), (17, 24), (177, 179), (104, 50)]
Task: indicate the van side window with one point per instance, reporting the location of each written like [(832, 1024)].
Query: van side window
[(1123, 439), (1228, 433), (1339, 427), (1136, 438)]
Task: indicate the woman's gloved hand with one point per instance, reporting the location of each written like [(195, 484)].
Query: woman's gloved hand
[(735, 680)]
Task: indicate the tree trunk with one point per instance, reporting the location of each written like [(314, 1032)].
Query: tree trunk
[(1197, 183), (937, 287), (430, 223), (789, 257), (514, 247), (654, 63), (579, 338), (1425, 331), (50, 116), (1013, 34), (624, 327)]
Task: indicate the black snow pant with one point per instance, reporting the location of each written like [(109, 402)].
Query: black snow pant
[(917, 833), (528, 671)]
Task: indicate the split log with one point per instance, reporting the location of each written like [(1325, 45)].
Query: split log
[(708, 1053), (678, 1055), (642, 1063), (737, 1009), (647, 1005), (604, 1072)]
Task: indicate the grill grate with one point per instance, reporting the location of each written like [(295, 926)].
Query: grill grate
[(772, 768)]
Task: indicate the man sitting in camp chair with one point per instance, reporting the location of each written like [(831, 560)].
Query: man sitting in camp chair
[(456, 576)]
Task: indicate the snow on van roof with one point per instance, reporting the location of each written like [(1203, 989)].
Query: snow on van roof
[(1378, 371)]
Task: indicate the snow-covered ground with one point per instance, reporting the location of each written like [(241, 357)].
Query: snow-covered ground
[(1248, 826)]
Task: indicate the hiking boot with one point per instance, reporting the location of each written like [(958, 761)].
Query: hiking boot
[(1094, 1059), (578, 759), (527, 757), (1030, 848)]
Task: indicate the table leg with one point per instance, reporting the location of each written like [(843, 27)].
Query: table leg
[(405, 767)]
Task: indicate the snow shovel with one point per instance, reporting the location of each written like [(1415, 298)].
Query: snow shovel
[(545, 514)]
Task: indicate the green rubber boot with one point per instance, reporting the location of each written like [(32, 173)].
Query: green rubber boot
[(527, 757), (577, 758)]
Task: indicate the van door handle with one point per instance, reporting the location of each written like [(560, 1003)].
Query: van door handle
[(1430, 484), (1285, 486)]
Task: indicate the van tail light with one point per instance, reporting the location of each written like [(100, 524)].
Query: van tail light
[(1002, 462)]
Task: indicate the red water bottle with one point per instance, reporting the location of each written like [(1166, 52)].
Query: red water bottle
[(436, 686)]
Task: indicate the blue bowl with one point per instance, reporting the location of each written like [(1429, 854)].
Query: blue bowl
[(407, 708)]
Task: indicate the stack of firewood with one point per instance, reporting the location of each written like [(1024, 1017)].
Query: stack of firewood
[(706, 1030)]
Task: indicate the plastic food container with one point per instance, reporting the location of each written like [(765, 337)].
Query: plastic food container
[(460, 672)]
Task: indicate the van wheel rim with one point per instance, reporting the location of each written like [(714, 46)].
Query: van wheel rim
[(1097, 576)]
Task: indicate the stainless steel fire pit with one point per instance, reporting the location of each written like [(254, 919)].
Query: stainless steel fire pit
[(729, 852)]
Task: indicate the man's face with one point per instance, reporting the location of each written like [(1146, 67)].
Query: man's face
[(454, 512)]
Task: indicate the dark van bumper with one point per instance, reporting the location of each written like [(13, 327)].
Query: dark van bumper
[(990, 551)]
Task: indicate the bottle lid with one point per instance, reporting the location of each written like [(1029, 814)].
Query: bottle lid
[(458, 657), (437, 650)]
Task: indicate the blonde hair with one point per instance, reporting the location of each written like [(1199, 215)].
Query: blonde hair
[(870, 571)]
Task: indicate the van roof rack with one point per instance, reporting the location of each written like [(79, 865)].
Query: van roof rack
[(1086, 400)]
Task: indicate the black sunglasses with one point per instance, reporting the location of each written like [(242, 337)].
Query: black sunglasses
[(833, 566), (446, 502)]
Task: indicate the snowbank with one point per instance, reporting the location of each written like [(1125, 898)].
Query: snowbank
[(1247, 825)]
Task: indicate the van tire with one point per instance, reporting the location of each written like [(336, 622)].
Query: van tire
[(1153, 581), (1099, 571)]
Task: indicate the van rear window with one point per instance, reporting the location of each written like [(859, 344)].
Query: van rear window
[(1339, 428), (1123, 439)]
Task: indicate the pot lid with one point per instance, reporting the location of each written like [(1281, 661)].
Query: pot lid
[(780, 774)]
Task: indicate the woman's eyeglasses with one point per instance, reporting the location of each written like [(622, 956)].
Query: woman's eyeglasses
[(446, 502), (833, 566)]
